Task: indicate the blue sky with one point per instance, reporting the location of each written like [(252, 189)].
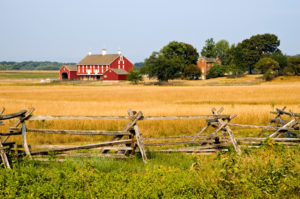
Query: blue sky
[(65, 30)]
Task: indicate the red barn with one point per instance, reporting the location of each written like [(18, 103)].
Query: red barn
[(102, 67)]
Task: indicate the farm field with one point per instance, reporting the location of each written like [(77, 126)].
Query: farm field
[(12, 75), (269, 172), (251, 103)]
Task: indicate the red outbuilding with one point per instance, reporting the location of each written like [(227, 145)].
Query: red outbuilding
[(101, 67), (68, 72)]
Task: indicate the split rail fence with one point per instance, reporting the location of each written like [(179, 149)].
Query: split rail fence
[(129, 140)]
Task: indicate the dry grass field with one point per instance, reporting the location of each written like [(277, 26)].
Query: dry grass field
[(249, 98)]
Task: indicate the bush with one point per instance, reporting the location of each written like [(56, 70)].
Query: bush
[(266, 64), (217, 70), (269, 75), (192, 72), (269, 67), (134, 76)]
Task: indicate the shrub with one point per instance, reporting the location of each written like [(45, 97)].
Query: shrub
[(217, 70), (269, 75), (134, 76), (266, 64), (192, 72)]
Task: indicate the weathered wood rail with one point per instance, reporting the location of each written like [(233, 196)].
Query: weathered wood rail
[(22, 116), (131, 130), (129, 139)]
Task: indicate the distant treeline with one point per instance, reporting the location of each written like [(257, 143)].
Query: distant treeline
[(45, 65), (138, 65), (32, 65)]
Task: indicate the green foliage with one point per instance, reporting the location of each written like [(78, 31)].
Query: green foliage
[(270, 74), (31, 65), (217, 70), (171, 61), (209, 50), (293, 66), (221, 49), (184, 53), (135, 76), (281, 59), (249, 51), (234, 70), (268, 66), (5, 67), (192, 72), (161, 67), (257, 173), (265, 64)]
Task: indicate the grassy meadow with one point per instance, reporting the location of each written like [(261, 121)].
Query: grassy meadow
[(270, 172), (12, 75), (252, 103)]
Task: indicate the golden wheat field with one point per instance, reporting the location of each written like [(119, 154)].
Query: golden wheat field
[(251, 103)]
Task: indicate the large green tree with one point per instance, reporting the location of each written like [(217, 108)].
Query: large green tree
[(170, 61), (234, 60), (186, 53), (251, 50)]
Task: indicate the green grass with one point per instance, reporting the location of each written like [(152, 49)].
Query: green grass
[(270, 172), (27, 75)]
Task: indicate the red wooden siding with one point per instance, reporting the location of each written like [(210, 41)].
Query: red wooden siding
[(122, 64), (111, 75), (71, 74), (99, 72)]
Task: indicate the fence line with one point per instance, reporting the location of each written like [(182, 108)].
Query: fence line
[(130, 139)]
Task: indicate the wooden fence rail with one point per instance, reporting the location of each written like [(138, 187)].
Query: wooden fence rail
[(52, 117), (129, 139)]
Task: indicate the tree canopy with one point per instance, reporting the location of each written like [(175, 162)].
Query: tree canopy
[(251, 50), (221, 49), (170, 61), (209, 50)]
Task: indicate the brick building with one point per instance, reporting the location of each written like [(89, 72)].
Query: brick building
[(205, 63)]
